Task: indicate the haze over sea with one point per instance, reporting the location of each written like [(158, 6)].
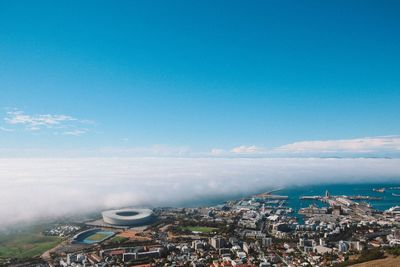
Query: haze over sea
[(50, 188)]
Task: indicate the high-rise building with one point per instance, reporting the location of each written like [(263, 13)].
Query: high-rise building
[(266, 242), (217, 242), (343, 246)]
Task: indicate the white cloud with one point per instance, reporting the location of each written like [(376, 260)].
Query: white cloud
[(36, 121), (75, 132), (68, 125), (40, 188), (248, 150), (381, 145), (359, 145)]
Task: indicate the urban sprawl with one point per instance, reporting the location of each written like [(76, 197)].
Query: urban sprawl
[(261, 230)]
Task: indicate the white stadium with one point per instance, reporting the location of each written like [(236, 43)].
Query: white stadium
[(128, 217)]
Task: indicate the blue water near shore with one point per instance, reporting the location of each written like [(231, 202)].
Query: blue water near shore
[(294, 193)]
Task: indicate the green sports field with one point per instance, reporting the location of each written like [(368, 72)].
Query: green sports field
[(98, 236), (201, 229)]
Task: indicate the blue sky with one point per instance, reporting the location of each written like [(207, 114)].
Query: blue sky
[(213, 77)]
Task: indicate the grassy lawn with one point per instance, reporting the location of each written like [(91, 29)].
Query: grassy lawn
[(26, 245), (201, 229)]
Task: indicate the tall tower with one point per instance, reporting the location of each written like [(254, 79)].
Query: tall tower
[(327, 195)]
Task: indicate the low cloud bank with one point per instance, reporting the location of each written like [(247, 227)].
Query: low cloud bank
[(389, 144), (32, 189), (378, 146)]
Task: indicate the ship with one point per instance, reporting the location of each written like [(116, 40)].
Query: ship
[(359, 197), (310, 197), (395, 195), (380, 190)]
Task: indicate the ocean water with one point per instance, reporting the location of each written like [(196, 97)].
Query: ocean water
[(295, 192)]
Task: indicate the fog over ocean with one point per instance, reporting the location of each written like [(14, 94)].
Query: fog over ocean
[(33, 189)]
